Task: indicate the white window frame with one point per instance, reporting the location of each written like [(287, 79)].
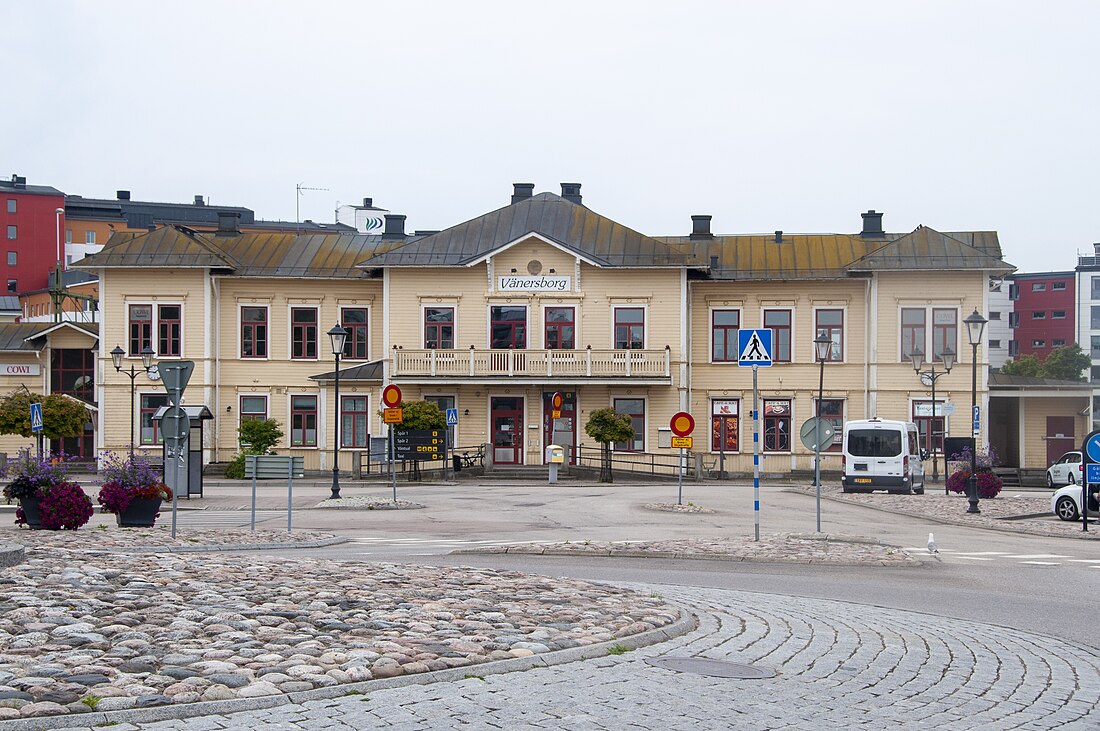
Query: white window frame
[(89, 236)]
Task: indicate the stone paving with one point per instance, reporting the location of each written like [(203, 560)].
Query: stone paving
[(995, 512), (808, 548), (840, 666)]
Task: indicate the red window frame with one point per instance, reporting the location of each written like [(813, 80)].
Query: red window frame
[(439, 333), (628, 407), (912, 333), (355, 321), (251, 415), (560, 334), (303, 420), (781, 333), (833, 410), (723, 335), (946, 334), (357, 415), (629, 333), (833, 331), (929, 426), (141, 328), (169, 330), (732, 419), (254, 331), (150, 402), (303, 333), (507, 331), (777, 425)]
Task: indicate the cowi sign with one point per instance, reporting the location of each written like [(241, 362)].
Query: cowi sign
[(20, 369)]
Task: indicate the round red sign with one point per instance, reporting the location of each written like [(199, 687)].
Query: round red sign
[(391, 395), (682, 424), (556, 401)]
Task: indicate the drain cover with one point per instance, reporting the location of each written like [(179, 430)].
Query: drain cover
[(713, 668)]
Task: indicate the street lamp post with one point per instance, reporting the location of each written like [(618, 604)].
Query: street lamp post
[(975, 324), (147, 361), (929, 378), (823, 346), (338, 335)]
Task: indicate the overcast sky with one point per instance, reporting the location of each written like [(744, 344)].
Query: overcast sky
[(767, 115)]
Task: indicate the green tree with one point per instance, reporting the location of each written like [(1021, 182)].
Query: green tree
[(422, 415), (1066, 363), (62, 416), (260, 435), (607, 427)]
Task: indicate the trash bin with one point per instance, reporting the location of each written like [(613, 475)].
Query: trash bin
[(456, 461)]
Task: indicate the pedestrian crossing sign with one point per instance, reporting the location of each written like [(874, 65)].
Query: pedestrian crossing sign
[(36, 417), (754, 347)]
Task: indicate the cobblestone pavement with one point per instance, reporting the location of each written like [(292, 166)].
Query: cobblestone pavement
[(999, 513), (840, 666)]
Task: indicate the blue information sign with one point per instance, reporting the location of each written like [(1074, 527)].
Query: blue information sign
[(1092, 474), (977, 419), (754, 347), (1092, 448)]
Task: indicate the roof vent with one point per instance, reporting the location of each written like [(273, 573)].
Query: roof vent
[(18, 181), (395, 226), (872, 225), (368, 203), (779, 237), (713, 263), (199, 201), (700, 228), (1096, 249), (123, 195), (571, 192), (229, 223), (523, 191)]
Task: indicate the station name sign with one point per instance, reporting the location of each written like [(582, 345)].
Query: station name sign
[(514, 283), (20, 369)]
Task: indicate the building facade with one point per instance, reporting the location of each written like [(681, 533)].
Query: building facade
[(31, 220), (1043, 313), (495, 315)]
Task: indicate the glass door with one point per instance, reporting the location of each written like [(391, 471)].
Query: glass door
[(506, 415)]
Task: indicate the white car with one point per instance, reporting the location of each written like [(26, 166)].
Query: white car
[(1066, 503), (1068, 470)]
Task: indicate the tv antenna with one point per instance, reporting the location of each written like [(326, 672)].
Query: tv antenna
[(297, 202)]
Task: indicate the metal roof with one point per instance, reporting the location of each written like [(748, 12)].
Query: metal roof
[(14, 337), (926, 248), (1004, 381), (567, 224), (9, 302), (183, 213), (366, 372), (7, 186)]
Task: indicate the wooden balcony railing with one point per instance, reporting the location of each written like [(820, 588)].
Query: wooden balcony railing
[(587, 363)]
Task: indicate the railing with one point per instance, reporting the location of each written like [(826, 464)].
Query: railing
[(375, 462), (562, 363), (665, 464)]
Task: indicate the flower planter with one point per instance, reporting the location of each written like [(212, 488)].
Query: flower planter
[(140, 513), (31, 512)]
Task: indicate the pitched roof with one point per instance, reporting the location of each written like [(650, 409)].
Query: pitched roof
[(1005, 381), (17, 337), (364, 372), (267, 254), (926, 248), (569, 225)]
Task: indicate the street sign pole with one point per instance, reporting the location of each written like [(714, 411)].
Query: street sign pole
[(755, 453), (680, 485), (393, 464)]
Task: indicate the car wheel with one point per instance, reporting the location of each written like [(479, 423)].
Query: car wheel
[(1072, 479), (1050, 481), (1066, 508)]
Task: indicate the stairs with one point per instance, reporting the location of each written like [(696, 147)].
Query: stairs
[(524, 472), (1010, 476)]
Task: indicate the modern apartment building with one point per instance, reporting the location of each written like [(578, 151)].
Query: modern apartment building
[(32, 218), (1043, 315)]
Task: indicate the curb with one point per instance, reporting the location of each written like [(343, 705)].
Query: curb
[(686, 623), (950, 521), (320, 543)]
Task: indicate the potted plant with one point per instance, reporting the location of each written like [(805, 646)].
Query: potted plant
[(47, 497), (132, 490), (989, 484)]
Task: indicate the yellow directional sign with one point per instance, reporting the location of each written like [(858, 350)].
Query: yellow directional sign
[(681, 442), (391, 416)]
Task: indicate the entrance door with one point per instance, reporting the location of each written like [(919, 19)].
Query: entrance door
[(563, 430), (1060, 437), (506, 415)]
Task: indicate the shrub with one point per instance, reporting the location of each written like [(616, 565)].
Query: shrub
[(988, 483), (127, 478), (30, 476), (234, 470), (65, 507), (260, 434)]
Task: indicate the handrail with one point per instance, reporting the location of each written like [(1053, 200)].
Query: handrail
[(532, 362)]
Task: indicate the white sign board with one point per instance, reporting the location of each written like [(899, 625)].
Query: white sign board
[(517, 283), (20, 369)]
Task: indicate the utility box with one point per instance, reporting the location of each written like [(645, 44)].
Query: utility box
[(555, 454)]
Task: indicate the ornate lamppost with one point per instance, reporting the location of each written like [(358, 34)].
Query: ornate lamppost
[(823, 346), (929, 378), (147, 361), (975, 324), (338, 335)]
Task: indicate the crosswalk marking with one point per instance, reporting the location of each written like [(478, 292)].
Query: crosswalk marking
[(976, 558), (1042, 563), (1036, 555), (1030, 559)]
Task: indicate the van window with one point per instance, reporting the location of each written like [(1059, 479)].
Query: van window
[(874, 443), (913, 442)]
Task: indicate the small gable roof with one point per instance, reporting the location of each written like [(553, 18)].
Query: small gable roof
[(926, 248), (21, 337), (563, 223)]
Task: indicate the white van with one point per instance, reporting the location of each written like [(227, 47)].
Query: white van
[(882, 455)]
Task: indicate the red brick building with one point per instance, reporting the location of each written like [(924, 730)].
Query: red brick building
[(30, 225), (1042, 316)]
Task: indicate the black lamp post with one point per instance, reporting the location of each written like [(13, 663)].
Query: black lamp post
[(823, 346), (975, 324), (929, 378), (147, 361), (338, 335)]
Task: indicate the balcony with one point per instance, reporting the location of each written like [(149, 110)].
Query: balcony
[(533, 366)]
